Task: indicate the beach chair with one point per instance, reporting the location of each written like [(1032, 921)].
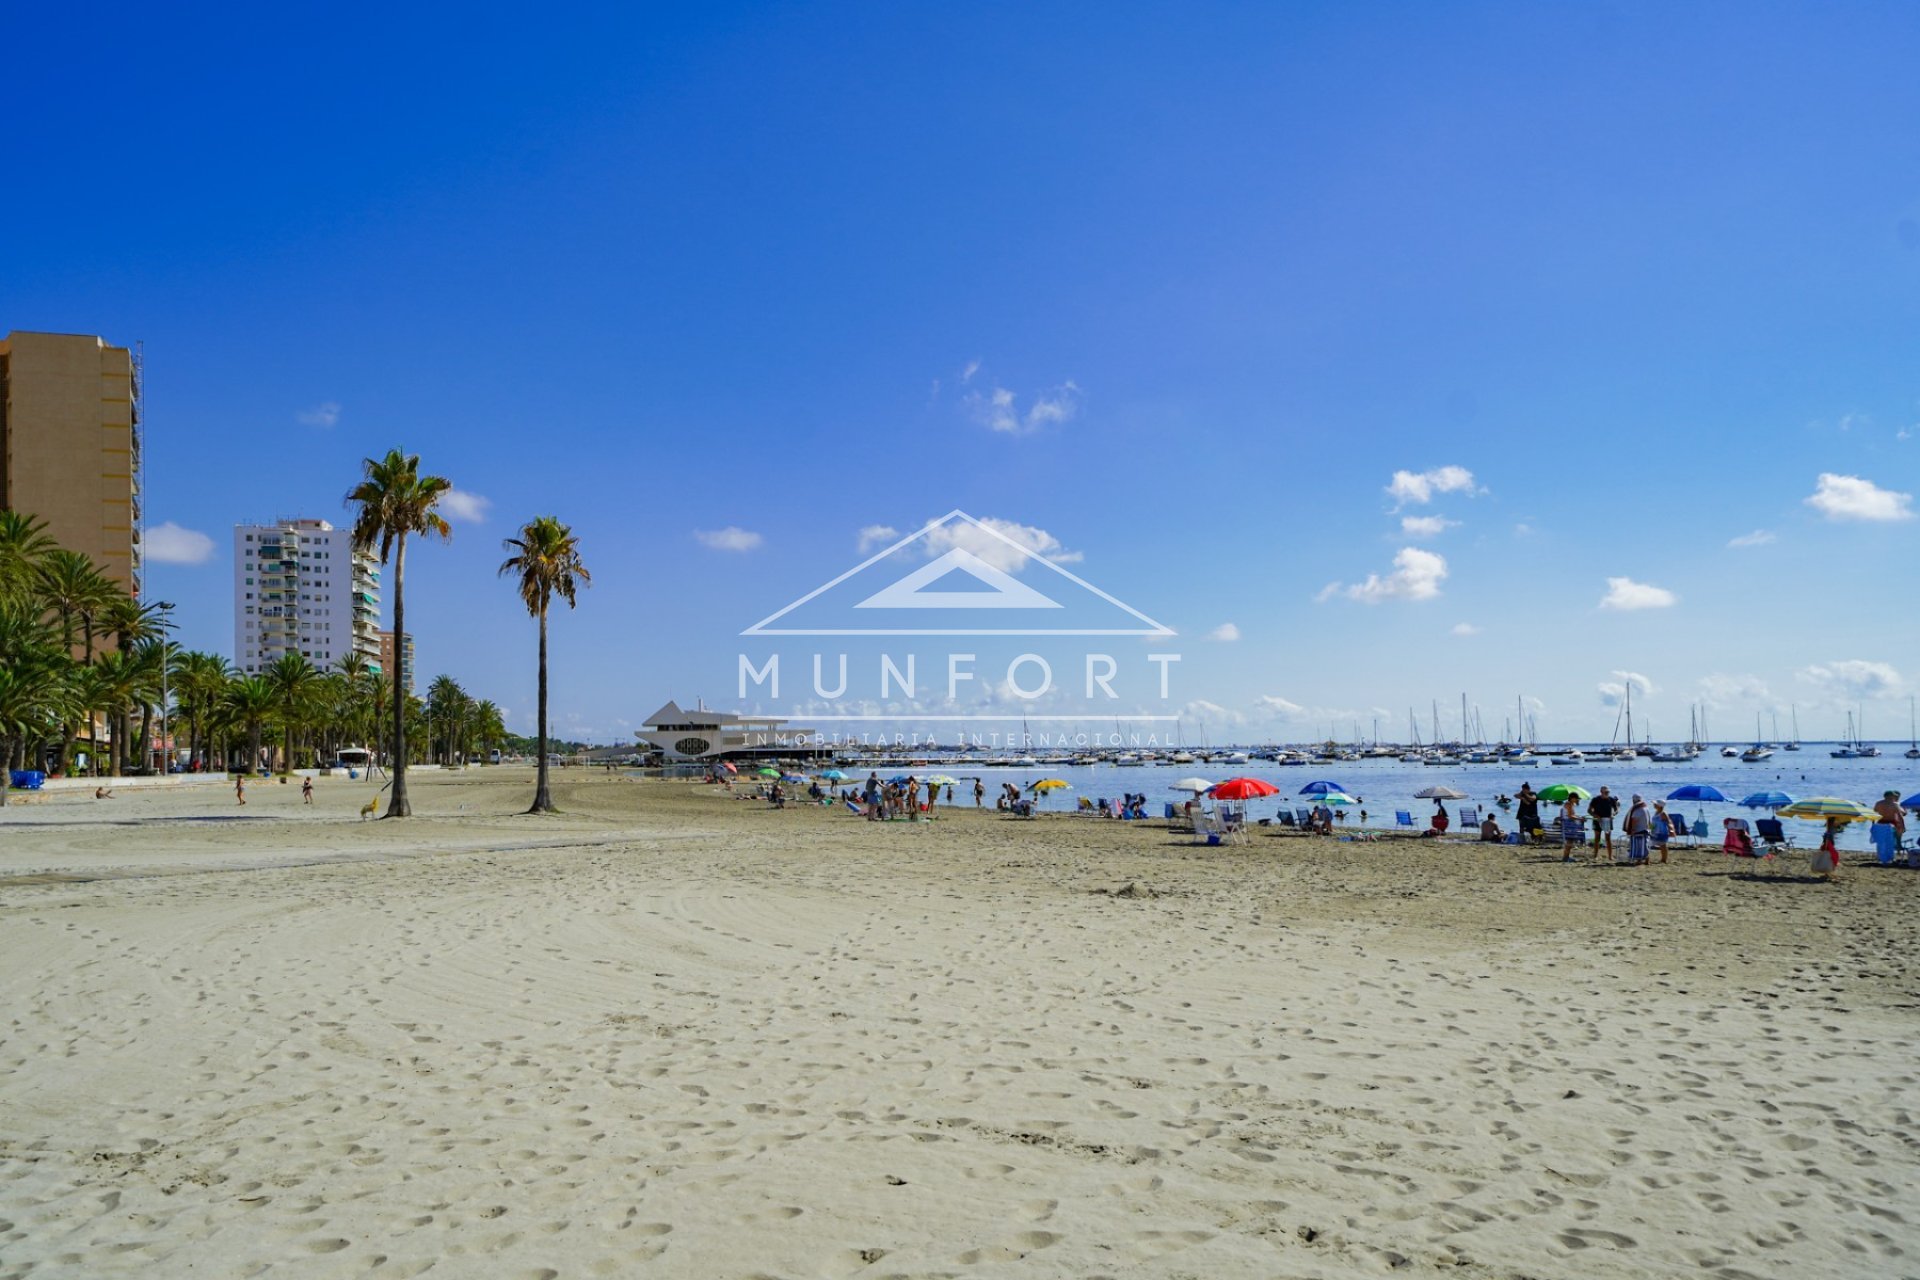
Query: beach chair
[(1403, 817), (1207, 826), (1304, 817), (1469, 819), (1773, 837), (1286, 820)]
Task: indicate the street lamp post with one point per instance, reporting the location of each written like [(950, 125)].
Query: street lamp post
[(166, 645)]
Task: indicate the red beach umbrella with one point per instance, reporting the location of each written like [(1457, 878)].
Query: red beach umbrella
[(1244, 789)]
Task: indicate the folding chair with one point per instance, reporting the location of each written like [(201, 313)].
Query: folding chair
[(1469, 819), (1772, 835), (1403, 817)]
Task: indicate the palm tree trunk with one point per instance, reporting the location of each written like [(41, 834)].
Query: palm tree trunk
[(399, 807), (542, 800)]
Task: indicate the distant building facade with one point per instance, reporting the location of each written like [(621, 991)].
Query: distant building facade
[(699, 734), (405, 659), (70, 445), (300, 587)]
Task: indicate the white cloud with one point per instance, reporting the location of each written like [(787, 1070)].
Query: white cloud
[(966, 374), (1855, 678), (1523, 531), (878, 535), (1852, 498), (731, 538), (999, 409), (324, 414), (1758, 538), (1211, 713), (1719, 689), (1626, 594), (168, 543), (1051, 408), (995, 411), (1419, 487), (458, 504), (1225, 631), (1426, 526), (1416, 575), (1465, 629), (1613, 691), (1274, 704), (1027, 540)]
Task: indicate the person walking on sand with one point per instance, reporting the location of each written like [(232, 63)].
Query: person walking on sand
[(1639, 827), (240, 787), (1601, 809), (1569, 825), (979, 793), (306, 791)]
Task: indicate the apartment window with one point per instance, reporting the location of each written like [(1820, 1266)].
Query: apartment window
[(249, 608)]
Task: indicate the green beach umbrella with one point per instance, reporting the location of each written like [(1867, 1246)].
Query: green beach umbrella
[(766, 772), (1559, 791)]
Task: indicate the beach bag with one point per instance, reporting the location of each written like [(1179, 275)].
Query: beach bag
[(1824, 860)]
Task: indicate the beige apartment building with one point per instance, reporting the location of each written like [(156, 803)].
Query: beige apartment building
[(70, 444)]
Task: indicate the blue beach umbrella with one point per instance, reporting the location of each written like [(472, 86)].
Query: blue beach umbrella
[(1322, 788), (1768, 800), (1699, 793), (834, 775), (1911, 802)]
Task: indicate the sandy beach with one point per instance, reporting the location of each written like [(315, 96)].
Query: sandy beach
[(673, 1033)]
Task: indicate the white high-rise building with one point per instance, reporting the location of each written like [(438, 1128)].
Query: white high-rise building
[(298, 587)]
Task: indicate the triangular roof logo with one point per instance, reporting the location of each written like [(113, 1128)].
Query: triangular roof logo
[(870, 599)]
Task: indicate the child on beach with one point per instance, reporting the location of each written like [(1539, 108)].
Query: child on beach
[(306, 791), (240, 787)]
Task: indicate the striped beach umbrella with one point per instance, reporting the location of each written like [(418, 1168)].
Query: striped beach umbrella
[(1821, 808)]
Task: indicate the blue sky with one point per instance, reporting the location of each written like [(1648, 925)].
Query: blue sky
[(1184, 288)]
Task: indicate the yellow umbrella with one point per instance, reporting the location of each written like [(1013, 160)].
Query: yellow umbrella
[(1820, 808), (1051, 784)]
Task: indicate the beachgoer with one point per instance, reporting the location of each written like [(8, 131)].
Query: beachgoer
[(1601, 809), (1663, 825), (1826, 859), (1888, 810), (1526, 814), (1490, 830), (103, 793), (1440, 818), (1569, 825), (1639, 827), (240, 787), (306, 791), (979, 793)]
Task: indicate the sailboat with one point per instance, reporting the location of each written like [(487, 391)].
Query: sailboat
[(1913, 737), (1759, 750), (1793, 743), (1853, 748)]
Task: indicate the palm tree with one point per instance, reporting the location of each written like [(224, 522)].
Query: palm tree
[(77, 592), (24, 546), (36, 698), (489, 725), (396, 500), (199, 682), (294, 682), (546, 555), (250, 701)]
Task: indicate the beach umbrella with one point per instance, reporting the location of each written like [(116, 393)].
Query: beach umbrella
[(1321, 788), (834, 775), (1338, 799), (1244, 789), (1051, 784), (1700, 793), (1559, 791), (1820, 808), (1911, 802), (942, 780), (1768, 800), (898, 780), (1195, 785), (729, 766), (1439, 793), (766, 772)]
